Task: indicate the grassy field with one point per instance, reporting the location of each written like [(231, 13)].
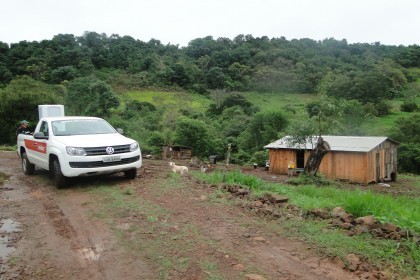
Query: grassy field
[(279, 101), (382, 126), (180, 100)]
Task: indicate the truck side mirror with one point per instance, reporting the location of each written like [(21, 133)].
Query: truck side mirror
[(40, 135), (120, 130)]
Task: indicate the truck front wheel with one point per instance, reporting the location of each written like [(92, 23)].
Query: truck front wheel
[(28, 167), (130, 174), (60, 180)]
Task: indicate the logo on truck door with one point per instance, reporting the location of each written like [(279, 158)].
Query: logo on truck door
[(109, 150), (36, 146)]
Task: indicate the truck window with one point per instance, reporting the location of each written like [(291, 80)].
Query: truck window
[(44, 128), (81, 127)]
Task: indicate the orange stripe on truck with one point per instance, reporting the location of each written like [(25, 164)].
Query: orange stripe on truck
[(36, 146)]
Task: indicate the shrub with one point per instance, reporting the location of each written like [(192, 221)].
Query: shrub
[(383, 108), (409, 106), (409, 158), (304, 179)]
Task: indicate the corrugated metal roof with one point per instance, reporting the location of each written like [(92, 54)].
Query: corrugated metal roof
[(337, 143)]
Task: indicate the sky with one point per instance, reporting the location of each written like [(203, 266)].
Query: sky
[(390, 22)]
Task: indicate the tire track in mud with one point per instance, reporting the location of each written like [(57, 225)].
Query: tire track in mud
[(92, 242)]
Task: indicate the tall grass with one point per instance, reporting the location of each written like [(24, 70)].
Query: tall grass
[(403, 211)]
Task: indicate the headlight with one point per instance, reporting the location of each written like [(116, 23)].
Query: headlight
[(74, 151), (134, 146)]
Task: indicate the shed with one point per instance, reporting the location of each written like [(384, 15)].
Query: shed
[(176, 152), (355, 159)]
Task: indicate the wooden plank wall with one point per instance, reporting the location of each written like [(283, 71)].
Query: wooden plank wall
[(279, 159), (349, 166), (357, 167)]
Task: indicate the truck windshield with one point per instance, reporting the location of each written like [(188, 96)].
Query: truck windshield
[(81, 127)]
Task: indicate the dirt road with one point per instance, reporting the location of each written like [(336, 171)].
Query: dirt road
[(158, 226)]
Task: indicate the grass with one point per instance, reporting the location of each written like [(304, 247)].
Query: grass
[(412, 179), (277, 101), (8, 148), (180, 100), (167, 246), (402, 257), (383, 126), (396, 257), (3, 178), (403, 211)]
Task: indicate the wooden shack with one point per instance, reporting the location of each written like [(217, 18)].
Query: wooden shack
[(352, 158), (176, 152)]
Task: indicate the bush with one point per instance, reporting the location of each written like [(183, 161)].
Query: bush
[(409, 106), (383, 108), (259, 158), (409, 158)]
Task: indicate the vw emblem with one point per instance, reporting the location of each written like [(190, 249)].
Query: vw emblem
[(109, 150)]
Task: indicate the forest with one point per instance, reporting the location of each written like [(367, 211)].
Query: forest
[(344, 86)]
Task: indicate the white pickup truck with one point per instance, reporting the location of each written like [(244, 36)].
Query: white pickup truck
[(78, 146)]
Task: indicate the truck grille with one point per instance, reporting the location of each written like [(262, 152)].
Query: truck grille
[(94, 164), (98, 151)]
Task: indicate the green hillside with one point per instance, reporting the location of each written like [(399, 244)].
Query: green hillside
[(179, 100)]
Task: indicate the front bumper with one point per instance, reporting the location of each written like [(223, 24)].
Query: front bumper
[(95, 165)]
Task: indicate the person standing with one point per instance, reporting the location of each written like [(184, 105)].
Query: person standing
[(23, 128)]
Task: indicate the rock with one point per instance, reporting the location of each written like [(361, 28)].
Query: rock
[(339, 262), (276, 214), (360, 229), (259, 239), (322, 213), (254, 277), (257, 204), (367, 220), (347, 218), (388, 227), (267, 210), (394, 235), (338, 212), (377, 232), (279, 198), (243, 192), (345, 225), (239, 267), (367, 275), (203, 197), (354, 262)]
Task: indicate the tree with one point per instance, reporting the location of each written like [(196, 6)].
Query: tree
[(407, 129), (193, 133), (324, 116), (263, 128), (63, 73), (20, 100), (89, 96)]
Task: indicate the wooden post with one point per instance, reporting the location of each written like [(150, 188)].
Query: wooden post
[(227, 161)]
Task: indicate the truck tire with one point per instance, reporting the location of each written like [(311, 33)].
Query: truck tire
[(60, 181), (28, 167), (130, 174)]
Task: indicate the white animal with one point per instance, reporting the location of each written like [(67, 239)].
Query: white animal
[(203, 169), (178, 169)]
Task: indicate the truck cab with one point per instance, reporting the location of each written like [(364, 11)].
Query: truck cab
[(78, 146)]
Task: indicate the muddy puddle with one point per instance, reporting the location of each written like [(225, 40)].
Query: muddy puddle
[(7, 228)]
